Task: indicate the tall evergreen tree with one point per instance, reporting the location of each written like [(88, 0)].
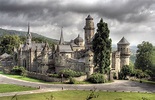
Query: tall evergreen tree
[(102, 47), (144, 60)]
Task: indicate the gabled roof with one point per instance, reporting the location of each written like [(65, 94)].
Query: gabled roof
[(123, 41), (5, 55)]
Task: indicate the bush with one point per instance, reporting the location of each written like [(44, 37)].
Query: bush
[(70, 73), (71, 80), (96, 78), (18, 70), (140, 74), (125, 71), (114, 76), (53, 75)]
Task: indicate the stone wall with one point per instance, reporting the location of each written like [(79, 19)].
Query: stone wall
[(44, 77), (52, 79)]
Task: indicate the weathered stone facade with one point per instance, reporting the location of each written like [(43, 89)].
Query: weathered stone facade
[(75, 55)]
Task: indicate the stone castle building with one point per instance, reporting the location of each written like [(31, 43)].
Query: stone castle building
[(75, 55)]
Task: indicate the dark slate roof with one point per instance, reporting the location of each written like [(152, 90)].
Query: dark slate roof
[(123, 41), (89, 18), (78, 39), (73, 44), (65, 48)]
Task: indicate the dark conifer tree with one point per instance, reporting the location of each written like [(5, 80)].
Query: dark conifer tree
[(102, 47)]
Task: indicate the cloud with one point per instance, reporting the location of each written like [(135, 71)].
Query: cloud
[(127, 18)]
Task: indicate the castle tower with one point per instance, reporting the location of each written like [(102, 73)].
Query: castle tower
[(123, 47), (89, 31), (28, 36), (89, 65), (61, 37)]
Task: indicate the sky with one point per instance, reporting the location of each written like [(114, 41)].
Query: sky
[(133, 19)]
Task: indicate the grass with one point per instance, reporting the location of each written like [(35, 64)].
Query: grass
[(13, 88), (82, 95), (144, 81), (22, 78), (37, 80)]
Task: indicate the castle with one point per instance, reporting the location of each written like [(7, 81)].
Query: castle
[(75, 55)]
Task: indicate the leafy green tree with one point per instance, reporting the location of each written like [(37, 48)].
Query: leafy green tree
[(102, 47), (125, 71), (144, 59), (8, 43)]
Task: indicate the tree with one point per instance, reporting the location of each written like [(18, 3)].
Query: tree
[(8, 43), (102, 47), (144, 60), (126, 70)]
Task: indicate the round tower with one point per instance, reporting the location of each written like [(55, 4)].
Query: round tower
[(89, 31), (89, 65), (123, 47)]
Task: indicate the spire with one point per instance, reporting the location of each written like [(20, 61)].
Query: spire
[(28, 33), (29, 36), (61, 37)]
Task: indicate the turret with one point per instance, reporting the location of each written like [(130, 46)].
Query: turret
[(89, 31), (123, 47), (78, 41)]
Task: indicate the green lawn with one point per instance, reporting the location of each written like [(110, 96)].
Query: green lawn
[(82, 95), (144, 81), (37, 80), (13, 88), (22, 78)]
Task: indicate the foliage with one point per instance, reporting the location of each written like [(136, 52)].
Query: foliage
[(18, 71), (96, 78), (70, 73), (8, 42), (53, 75), (92, 95), (140, 74), (144, 59), (126, 70), (114, 75), (81, 95), (102, 47), (72, 80)]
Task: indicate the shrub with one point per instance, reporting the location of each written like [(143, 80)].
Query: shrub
[(71, 80), (126, 70), (114, 76), (53, 75), (18, 70), (140, 74), (96, 78), (70, 73)]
